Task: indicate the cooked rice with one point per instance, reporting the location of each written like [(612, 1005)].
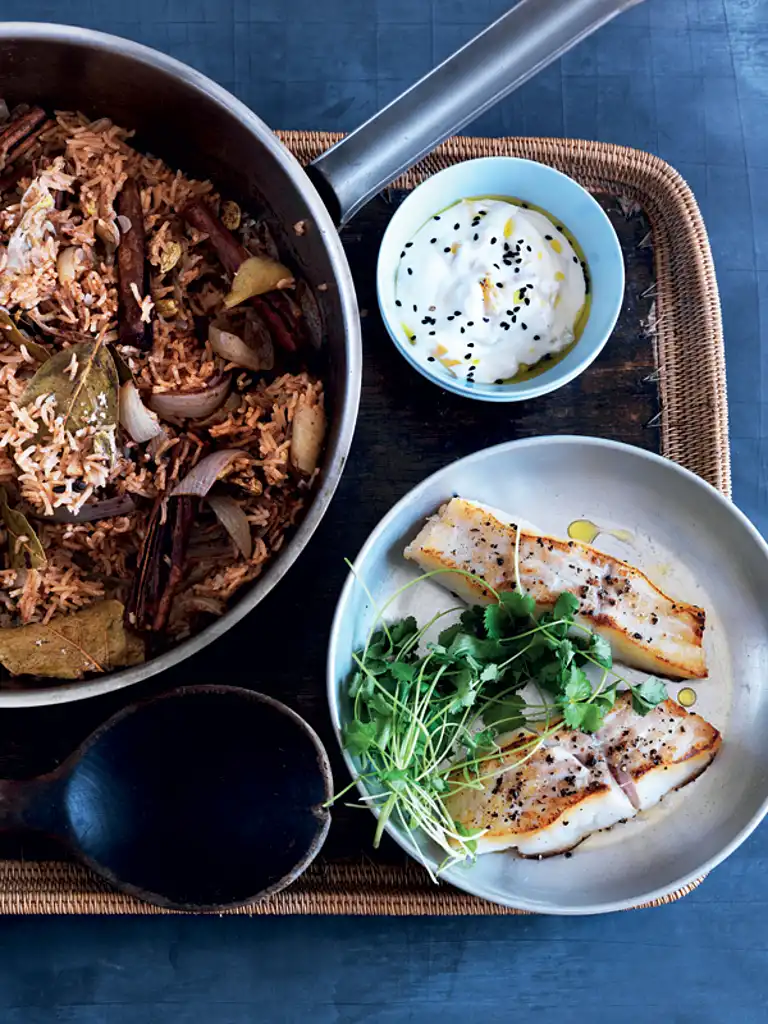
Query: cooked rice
[(46, 466)]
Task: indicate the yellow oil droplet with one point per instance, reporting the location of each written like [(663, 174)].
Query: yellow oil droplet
[(516, 296), (450, 362), (686, 697), (556, 245), (556, 303), (540, 255), (441, 350), (559, 276), (583, 530), (455, 247), (509, 227), (624, 535)]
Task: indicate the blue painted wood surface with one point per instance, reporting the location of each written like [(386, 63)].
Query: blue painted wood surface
[(687, 79)]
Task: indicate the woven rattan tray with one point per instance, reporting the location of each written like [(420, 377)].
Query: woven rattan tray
[(663, 388)]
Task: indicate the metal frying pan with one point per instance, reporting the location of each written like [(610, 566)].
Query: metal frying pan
[(196, 125)]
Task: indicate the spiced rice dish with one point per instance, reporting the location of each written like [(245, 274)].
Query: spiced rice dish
[(161, 419)]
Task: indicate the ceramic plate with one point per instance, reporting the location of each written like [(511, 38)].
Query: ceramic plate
[(694, 544)]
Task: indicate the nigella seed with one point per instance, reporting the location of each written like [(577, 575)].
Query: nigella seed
[(450, 318), (447, 248), (436, 217), (470, 323), (559, 227), (431, 333), (498, 381), (456, 227), (527, 301), (408, 245), (494, 240), (537, 337), (529, 248), (548, 237), (524, 326), (410, 270), (402, 254), (525, 206), (504, 324), (468, 355), (415, 308), (499, 284), (575, 259), (516, 309), (470, 344), (432, 241), (462, 330), (482, 213), (486, 319), (475, 237), (496, 265), (457, 312)]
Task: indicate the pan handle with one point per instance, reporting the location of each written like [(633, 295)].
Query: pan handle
[(493, 64)]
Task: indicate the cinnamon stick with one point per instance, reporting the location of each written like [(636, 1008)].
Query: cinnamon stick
[(131, 266), (18, 129)]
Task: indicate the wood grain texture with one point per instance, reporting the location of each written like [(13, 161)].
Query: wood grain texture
[(407, 429)]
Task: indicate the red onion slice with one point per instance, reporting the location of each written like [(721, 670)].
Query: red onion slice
[(191, 405), (234, 521), (204, 475), (134, 416), (232, 348)]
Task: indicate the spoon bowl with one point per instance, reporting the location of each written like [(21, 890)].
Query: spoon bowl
[(205, 798)]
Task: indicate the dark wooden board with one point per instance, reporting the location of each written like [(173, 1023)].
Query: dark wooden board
[(407, 429)]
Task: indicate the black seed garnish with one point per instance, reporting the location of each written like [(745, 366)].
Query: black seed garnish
[(504, 324), (431, 333), (436, 217), (475, 237), (450, 318), (470, 323), (447, 248), (415, 308), (575, 259), (496, 265), (456, 227), (517, 270), (457, 312), (432, 241), (548, 237), (486, 319), (529, 248), (398, 302), (559, 227), (468, 355), (402, 254), (462, 330), (527, 301), (494, 240), (536, 337), (515, 310), (524, 326), (470, 344), (431, 359), (525, 206), (410, 270), (499, 284), (482, 213), (408, 245), (498, 381)]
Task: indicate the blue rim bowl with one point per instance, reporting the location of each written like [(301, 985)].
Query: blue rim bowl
[(569, 204)]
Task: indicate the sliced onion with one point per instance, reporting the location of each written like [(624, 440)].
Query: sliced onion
[(124, 222), (234, 521), (108, 232), (192, 405), (204, 475), (230, 346), (108, 509), (66, 264), (307, 438), (255, 276), (135, 417)]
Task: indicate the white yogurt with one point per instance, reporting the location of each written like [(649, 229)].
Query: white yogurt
[(489, 287)]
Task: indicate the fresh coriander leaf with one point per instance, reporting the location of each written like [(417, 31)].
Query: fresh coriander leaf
[(472, 619), (395, 779), (359, 737), (493, 618), (447, 636), (566, 606), (519, 605), (379, 703), (403, 630), (646, 695), (383, 732), (573, 714), (475, 648), (605, 698), (564, 651), (550, 676), (600, 650), (356, 685), (490, 673), (485, 741), (402, 671), (592, 718), (466, 689), (578, 687)]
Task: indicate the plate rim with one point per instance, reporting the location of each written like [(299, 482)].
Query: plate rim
[(453, 876)]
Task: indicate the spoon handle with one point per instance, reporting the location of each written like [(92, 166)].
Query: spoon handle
[(30, 805)]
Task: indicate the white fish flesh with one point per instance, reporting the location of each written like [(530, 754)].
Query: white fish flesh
[(572, 784), (646, 628)]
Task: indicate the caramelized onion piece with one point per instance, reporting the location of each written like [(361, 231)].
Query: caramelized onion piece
[(234, 521), (260, 355), (208, 470), (191, 405), (135, 417), (307, 438)]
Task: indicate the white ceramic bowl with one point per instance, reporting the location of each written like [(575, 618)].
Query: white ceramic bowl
[(542, 186), (695, 544)]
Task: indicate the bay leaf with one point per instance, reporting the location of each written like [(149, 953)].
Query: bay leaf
[(71, 646), (11, 332), (86, 399), (30, 554)]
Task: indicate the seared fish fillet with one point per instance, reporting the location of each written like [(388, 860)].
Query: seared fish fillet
[(646, 628), (575, 784)]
